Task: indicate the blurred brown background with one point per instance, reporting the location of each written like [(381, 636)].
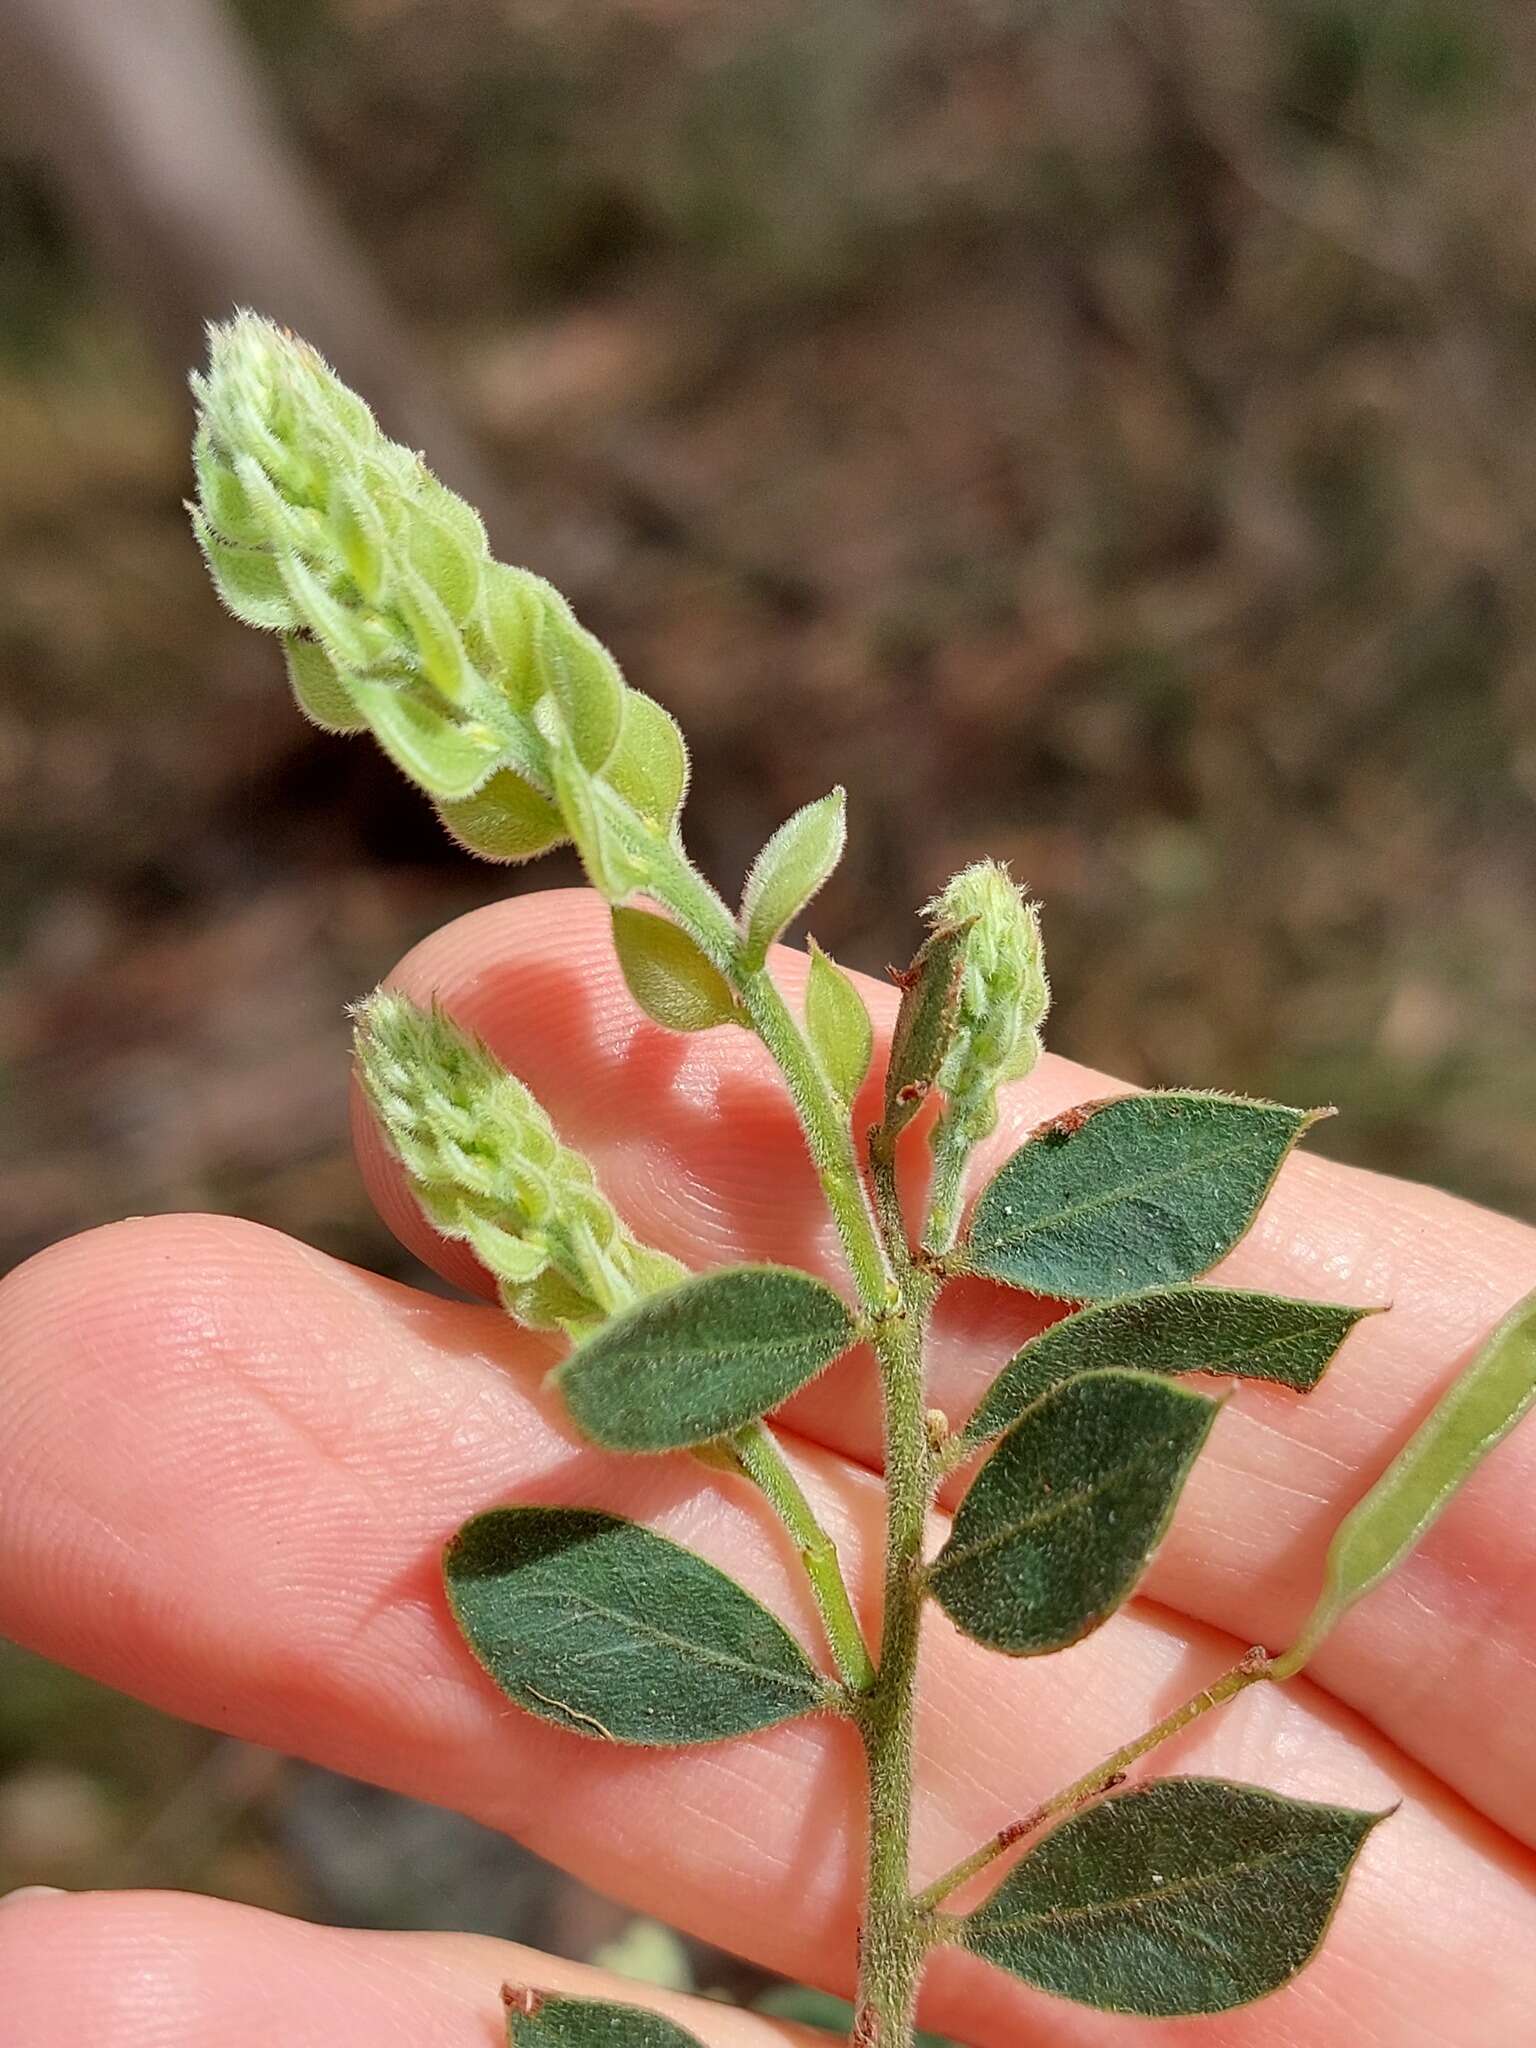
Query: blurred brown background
[(1099, 432)]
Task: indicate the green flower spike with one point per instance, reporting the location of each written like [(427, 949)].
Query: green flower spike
[(475, 678), (487, 1168)]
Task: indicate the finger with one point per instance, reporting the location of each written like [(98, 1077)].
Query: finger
[(164, 1970), (230, 1467), (696, 1141)]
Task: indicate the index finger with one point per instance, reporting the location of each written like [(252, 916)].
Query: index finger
[(696, 1142)]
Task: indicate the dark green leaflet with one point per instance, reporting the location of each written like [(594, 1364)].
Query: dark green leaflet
[(538, 2019), (1140, 1191), (611, 1631), (703, 1358), (1188, 1895), (1172, 1329), (1060, 1521)]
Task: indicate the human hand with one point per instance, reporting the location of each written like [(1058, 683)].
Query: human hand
[(229, 1464)]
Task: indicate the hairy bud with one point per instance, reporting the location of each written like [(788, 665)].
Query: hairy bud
[(1004, 994), (487, 1168)]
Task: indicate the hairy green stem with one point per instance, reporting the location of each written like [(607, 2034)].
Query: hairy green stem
[(757, 1452), (951, 1150), (1248, 1670), (827, 1133), (898, 1296), (895, 1938)]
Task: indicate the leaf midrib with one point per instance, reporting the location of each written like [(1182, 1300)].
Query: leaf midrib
[(787, 1681), (1040, 1518), (1179, 1887)]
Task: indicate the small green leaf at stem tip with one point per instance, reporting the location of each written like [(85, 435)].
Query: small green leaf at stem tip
[(838, 1025), (444, 759), (547, 2019), (1478, 1411), (1188, 1895), (1137, 1191), (668, 976), (1060, 1521), (704, 1359), (1172, 1330), (925, 1024), (615, 1633), (790, 870)]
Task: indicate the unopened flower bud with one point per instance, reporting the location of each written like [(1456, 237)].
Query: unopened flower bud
[(1004, 994)]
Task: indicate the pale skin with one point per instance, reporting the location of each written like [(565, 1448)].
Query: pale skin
[(228, 1465)]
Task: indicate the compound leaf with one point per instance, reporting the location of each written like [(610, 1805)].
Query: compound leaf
[(668, 976), (704, 1358), (614, 1632), (1140, 1191), (1189, 1895), (1172, 1329), (1060, 1521), (540, 2019)]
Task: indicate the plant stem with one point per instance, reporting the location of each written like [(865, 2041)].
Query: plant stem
[(828, 1135), (895, 1939), (758, 1453), (951, 1150), (674, 881), (1248, 1670)]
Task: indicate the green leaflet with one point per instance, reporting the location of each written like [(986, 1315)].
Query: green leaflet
[(1189, 1895), (1138, 1191), (837, 1025), (668, 976), (704, 1358), (1060, 1521), (925, 1023), (788, 872), (1481, 1407), (1172, 1329), (538, 2019), (613, 1632)]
